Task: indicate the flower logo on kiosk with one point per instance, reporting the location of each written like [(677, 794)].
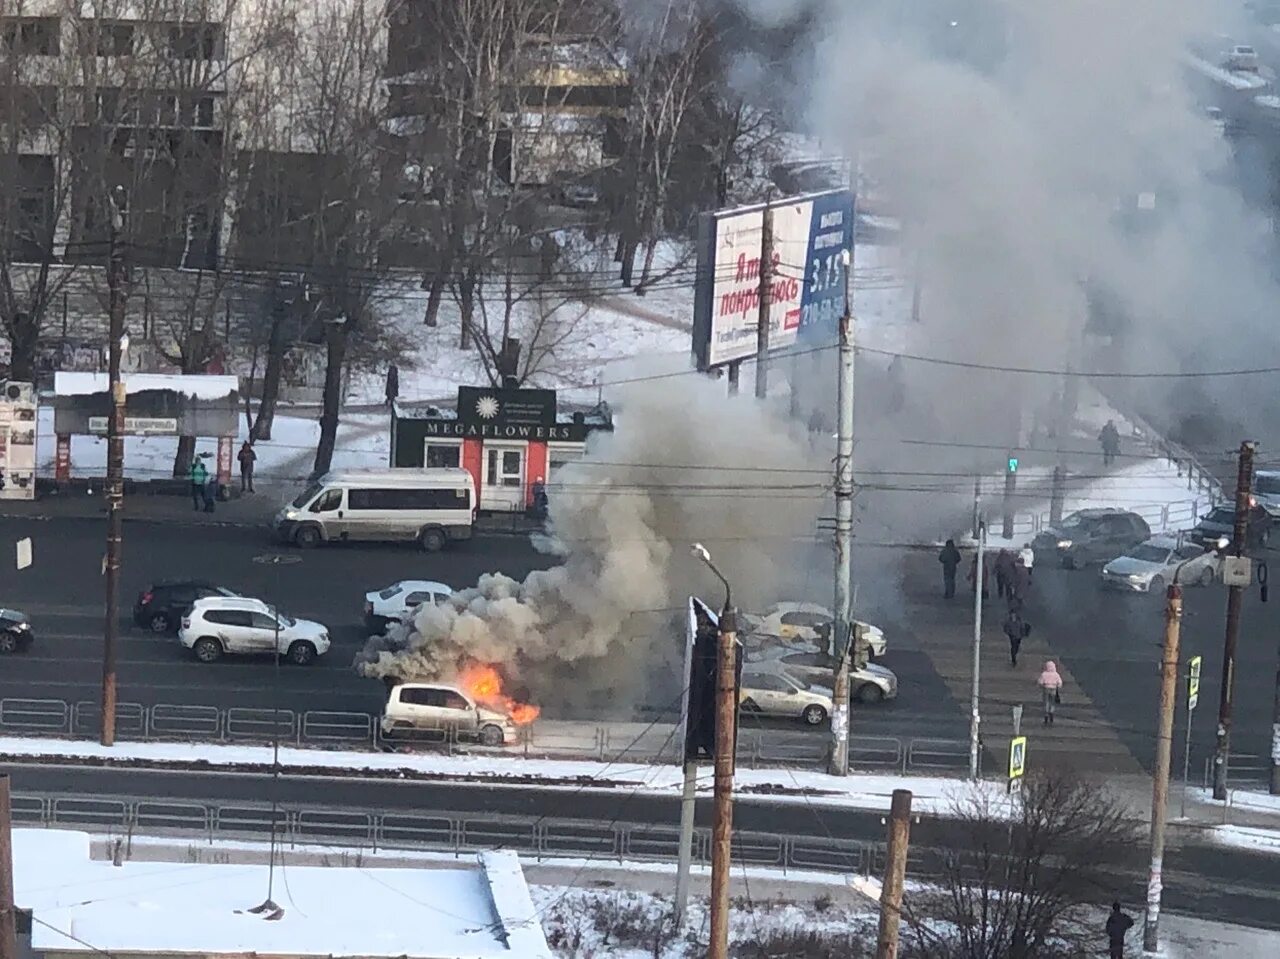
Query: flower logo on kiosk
[(487, 407)]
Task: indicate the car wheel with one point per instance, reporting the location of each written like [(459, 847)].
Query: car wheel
[(491, 735), (207, 650), (307, 537), (870, 693), (302, 653), (159, 623), (1207, 576), (1156, 585), (8, 643), (814, 715), (432, 540)]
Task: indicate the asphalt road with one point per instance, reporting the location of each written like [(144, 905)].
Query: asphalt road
[(1226, 885), (1109, 641)]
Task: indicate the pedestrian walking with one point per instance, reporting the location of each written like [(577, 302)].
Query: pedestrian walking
[(1109, 440), (393, 384), (950, 560), (1118, 924), (1027, 556), (973, 575), (1017, 629), (1019, 583), (1050, 683), (210, 491), (199, 477), (1004, 569), (540, 502), (246, 456)]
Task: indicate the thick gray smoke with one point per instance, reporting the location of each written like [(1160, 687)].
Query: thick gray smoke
[(1014, 141), (685, 465)]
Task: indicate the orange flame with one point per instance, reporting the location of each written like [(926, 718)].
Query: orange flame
[(484, 684)]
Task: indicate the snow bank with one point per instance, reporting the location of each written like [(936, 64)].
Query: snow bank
[(932, 794)]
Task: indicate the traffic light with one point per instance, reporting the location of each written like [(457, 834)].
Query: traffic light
[(700, 722)]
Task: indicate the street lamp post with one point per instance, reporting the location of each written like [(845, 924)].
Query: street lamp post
[(726, 740)]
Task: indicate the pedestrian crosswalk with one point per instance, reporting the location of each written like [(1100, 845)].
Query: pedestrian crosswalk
[(1080, 737)]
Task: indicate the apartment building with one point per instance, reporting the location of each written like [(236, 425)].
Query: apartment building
[(133, 99)]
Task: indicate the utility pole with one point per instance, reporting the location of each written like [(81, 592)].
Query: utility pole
[(1164, 750), (841, 631), (975, 719), (1275, 739), (115, 461), (766, 285), (977, 503), (735, 373), (895, 871), (726, 742), (1235, 599), (8, 915)]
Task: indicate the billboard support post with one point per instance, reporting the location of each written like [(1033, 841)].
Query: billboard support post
[(735, 371), (762, 312)]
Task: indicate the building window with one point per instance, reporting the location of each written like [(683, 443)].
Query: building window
[(37, 37), (114, 40), (204, 112), (194, 41), (443, 456)]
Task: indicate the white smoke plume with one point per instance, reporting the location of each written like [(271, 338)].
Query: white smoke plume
[(686, 464)]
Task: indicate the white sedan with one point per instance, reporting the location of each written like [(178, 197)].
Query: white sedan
[(393, 604), (809, 622), (1149, 567), (777, 693)]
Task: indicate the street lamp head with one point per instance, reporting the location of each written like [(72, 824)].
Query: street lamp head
[(701, 552)]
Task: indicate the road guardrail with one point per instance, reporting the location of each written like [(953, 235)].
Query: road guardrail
[(330, 730)]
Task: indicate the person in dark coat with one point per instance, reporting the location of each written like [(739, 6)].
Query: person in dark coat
[(1004, 569), (1118, 924), (950, 560), (393, 383), (246, 456), (1018, 583), (1109, 440), (1017, 629), (540, 501)]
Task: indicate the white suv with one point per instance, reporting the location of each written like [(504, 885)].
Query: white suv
[(218, 625), (413, 706)]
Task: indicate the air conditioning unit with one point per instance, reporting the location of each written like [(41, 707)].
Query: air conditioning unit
[(16, 392)]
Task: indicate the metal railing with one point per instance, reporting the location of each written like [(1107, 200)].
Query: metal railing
[(459, 833), (330, 729)]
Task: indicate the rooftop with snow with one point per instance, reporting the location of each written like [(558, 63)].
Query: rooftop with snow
[(83, 906)]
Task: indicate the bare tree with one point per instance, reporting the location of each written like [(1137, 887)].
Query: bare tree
[(1018, 880)]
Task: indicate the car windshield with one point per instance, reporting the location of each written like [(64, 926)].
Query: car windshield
[(1267, 485), (305, 496), (287, 620), (1074, 521), (1221, 515), (1150, 554), (389, 592)]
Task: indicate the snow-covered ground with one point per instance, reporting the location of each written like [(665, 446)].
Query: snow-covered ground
[(1246, 837), (931, 794)]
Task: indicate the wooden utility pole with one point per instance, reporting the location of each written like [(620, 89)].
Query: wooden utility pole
[(1235, 600), (115, 462), (1164, 752), (8, 915), (895, 872), (766, 285), (726, 741)]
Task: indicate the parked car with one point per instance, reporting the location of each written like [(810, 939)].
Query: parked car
[(1090, 536), (1266, 491), (871, 683), (15, 631), (773, 692), (1241, 57), (810, 622), (220, 625), (160, 606), (383, 606), (1149, 567), (412, 706), (1220, 522)]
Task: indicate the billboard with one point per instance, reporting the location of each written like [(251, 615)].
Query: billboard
[(807, 293)]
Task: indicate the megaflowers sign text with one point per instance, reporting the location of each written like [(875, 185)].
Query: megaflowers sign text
[(807, 285)]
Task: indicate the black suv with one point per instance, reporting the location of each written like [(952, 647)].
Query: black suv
[(1091, 536), (160, 606), (1220, 522)]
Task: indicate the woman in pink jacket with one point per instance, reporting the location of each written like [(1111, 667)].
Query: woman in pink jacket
[(1049, 682)]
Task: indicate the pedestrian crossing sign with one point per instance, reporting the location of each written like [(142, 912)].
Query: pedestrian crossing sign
[(1193, 683), (1017, 757)]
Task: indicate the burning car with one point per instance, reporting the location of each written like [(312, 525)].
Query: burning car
[(473, 706)]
